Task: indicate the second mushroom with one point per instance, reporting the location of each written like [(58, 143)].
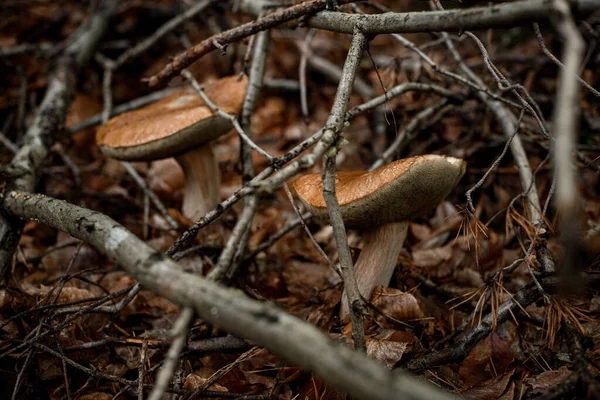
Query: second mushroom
[(380, 203), (182, 126)]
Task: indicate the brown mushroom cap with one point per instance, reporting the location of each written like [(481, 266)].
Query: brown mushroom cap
[(398, 191), (174, 124)]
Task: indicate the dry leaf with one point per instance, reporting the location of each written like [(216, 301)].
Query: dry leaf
[(499, 388), (386, 351), (395, 304), (489, 357), (193, 381)]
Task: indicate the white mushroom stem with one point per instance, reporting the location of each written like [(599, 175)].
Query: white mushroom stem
[(377, 261), (202, 181)]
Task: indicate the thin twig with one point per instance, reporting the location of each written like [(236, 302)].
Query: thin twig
[(335, 124), (141, 182), (235, 35), (231, 118), (179, 332), (548, 53), (302, 74), (422, 120), (161, 32), (468, 193)]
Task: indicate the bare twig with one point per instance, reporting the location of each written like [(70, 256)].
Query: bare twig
[(548, 53), (287, 228), (309, 234), (8, 144), (180, 332), (150, 193), (422, 120), (504, 85), (508, 123), (240, 229), (305, 50), (234, 35), (142, 369), (255, 86), (457, 352), (243, 136), (566, 116), (335, 124), (161, 32), (399, 90), (239, 236), (476, 186)]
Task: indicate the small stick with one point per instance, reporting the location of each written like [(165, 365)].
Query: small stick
[(235, 35), (150, 193)]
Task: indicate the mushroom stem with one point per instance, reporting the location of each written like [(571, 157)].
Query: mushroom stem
[(202, 181), (377, 261)]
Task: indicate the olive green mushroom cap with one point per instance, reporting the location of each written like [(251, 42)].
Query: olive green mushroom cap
[(173, 125), (398, 191)]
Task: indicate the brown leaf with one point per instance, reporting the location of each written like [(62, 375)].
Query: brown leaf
[(395, 304), (429, 258), (489, 357), (193, 381), (69, 294), (49, 368), (165, 177), (314, 389), (83, 107), (453, 127), (500, 387), (268, 115), (96, 396), (548, 379), (386, 351), (304, 279)]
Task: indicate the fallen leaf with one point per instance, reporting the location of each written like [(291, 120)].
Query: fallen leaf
[(499, 388), (386, 351), (488, 358), (395, 304), (548, 379)]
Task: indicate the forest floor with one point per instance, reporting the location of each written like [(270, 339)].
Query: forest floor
[(461, 311)]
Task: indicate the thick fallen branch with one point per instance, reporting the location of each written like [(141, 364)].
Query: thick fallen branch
[(505, 15), (50, 119), (263, 323)]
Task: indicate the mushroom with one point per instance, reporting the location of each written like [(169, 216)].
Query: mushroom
[(180, 125), (380, 203)]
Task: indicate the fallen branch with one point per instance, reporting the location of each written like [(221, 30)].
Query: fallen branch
[(505, 15), (263, 323), (50, 118)]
